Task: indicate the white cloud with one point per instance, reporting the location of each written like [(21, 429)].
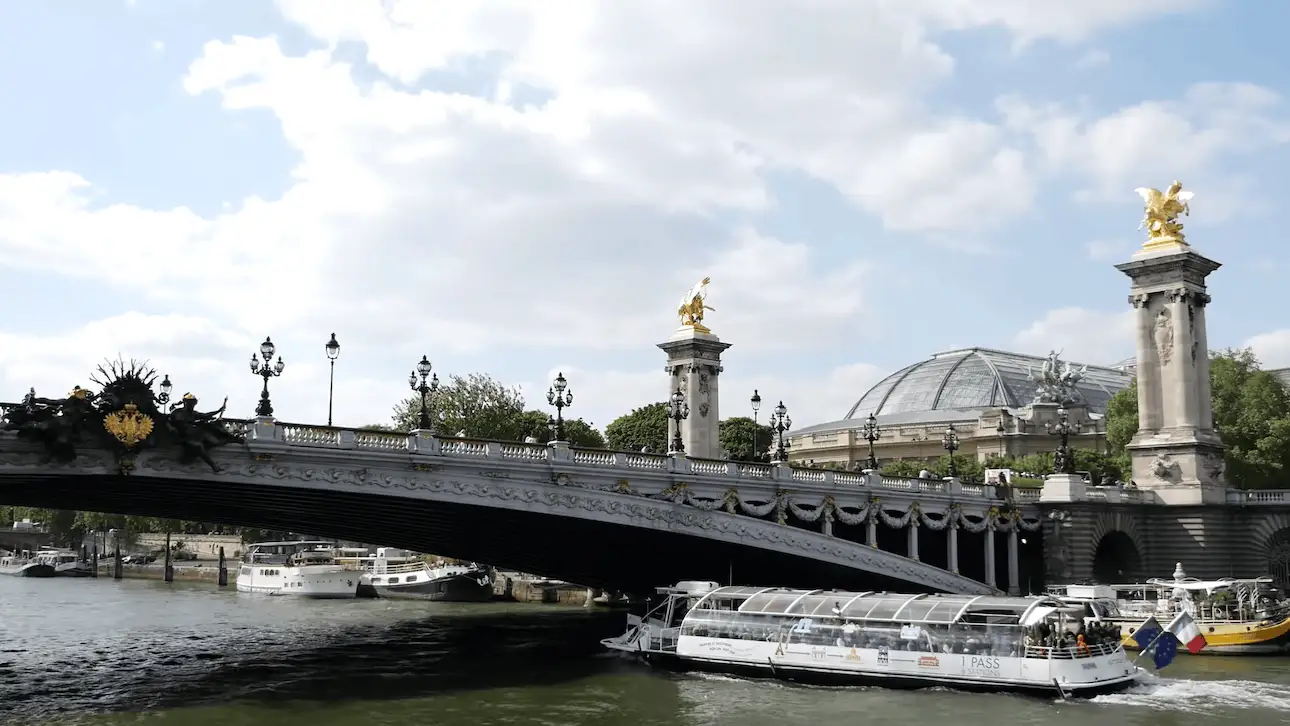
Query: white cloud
[(440, 221), (1087, 336), (158, 46), (1156, 141), (1272, 349)]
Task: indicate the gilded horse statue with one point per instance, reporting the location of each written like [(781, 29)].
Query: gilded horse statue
[(1160, 214), (692, 306)]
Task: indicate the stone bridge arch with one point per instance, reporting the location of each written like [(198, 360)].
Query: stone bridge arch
[(1116, 550), (1271, 538), (589, 536)]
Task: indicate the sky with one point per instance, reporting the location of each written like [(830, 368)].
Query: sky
[(525, 188)]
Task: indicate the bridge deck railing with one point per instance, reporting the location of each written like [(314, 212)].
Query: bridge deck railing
[(425, 443)]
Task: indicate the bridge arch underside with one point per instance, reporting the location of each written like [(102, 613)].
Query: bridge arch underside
[(1116, 558), (603, 554)]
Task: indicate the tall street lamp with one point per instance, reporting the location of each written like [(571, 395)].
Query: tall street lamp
[(872, 432), (951, 443), (1064, 462), (266, 371), (333, 352), (756, 406), (677, 410), (164, 397), (558, 396), (779, 423), (417, 380)]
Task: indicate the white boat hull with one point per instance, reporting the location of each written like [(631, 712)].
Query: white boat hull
[(836, 665), (329, 582)]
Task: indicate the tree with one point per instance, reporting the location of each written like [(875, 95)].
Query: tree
[(577, 432), (644, 427), (477, 404), (737, 437), (1251, 414)]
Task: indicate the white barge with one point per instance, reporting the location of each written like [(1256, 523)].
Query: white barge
[(1035, 645)]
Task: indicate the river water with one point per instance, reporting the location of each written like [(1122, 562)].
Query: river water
[(105, 652)]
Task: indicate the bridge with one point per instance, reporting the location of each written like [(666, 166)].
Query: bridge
[(17, 539), (610, 519)]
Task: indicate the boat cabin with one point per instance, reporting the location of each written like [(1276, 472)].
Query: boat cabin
[(278, 553), (968, 624)]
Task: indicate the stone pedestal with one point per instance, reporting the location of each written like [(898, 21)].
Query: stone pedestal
[(694, 365), (1063, 488), (1176, 452)]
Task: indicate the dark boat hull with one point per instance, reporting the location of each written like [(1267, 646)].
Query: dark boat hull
[(32, 570), (454, 588), (811, 677)]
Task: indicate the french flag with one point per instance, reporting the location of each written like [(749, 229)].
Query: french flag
[(1187, 632)]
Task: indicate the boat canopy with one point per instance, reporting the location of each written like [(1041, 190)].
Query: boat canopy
[(870, 606)]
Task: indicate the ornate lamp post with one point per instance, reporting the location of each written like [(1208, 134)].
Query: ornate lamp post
[(558, 396), (677, 410), (166, 387), (417, 380), (1064, 462), (756, 406), (333, 352), (779, 423), (266, 371), (872, 432), (951, 443)]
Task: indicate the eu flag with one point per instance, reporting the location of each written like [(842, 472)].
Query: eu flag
[(1147, 633), (1165, 650)]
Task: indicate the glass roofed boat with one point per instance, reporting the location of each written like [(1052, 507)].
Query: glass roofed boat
[(989, 643)]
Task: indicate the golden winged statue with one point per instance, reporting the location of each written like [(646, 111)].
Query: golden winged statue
[(692, 306), (1160, 214)]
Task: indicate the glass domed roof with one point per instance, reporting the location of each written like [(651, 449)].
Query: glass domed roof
[(976, 378)]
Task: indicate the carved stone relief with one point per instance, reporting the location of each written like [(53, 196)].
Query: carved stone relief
[(1163, 467), (703, 409), (1214, 466), (1164, 336), (703, 382), (1140, 300)]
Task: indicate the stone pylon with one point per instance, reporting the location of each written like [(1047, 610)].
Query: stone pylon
[(1176, 452), (693, 367)]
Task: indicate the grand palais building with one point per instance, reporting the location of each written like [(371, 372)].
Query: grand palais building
[(990, 397)]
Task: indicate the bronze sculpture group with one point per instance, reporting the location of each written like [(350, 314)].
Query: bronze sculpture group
[(126, 415)]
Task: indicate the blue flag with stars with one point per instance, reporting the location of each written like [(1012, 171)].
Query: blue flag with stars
[(1147, 633), (1165, 650)]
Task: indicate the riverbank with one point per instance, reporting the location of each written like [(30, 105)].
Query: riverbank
[(508, 587)]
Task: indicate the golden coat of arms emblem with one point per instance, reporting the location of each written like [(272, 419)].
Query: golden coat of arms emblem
[(129, 425)]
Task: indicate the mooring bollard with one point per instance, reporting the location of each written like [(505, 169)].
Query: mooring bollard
[(169, 575), (94, 565), (223, 569)]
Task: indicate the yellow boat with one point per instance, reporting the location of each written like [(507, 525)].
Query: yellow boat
[(1236, 616)]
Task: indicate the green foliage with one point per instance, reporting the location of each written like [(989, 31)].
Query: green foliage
[(1251, 414), (477, 404), (737, 436), (967, 468), (643, 427), (577, 432)]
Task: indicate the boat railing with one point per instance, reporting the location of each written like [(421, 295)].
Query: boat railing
[(1071, 652), (397, 568)]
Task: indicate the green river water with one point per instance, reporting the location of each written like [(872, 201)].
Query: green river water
[(105, 652)]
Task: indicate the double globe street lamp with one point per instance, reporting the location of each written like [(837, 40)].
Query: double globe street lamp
[(872, 432), (417, 379), (779, 423), (266, 371), (559, 396), (677, 410), (951, 443)]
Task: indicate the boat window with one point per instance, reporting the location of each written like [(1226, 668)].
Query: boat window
[(876, 607), (394, 580), (818, 605), (757, 603), (778, 603), (411, 578), (916, 610)]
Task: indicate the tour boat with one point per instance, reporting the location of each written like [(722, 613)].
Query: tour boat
[(24, 566), (302, 569), (1236, 616), (969, 642), (403, 578)]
